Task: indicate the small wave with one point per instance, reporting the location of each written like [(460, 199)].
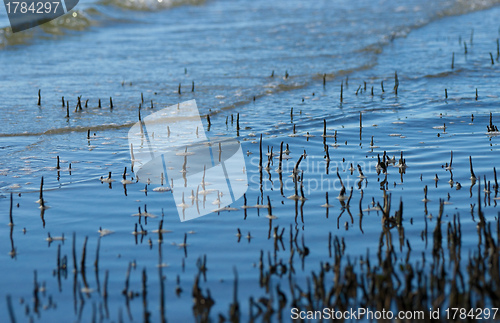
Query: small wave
[(7, 37), (57, 131), (83, 19), (75, 20), (460, 7), (150, 5)]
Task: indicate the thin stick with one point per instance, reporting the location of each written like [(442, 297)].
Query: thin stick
[(41, 190), (342, 92), (39, 97), (10, 210), (295, 170), (473, 176), (498, 49), (453, 60), (396, 83), (110, 102), (496, 182)]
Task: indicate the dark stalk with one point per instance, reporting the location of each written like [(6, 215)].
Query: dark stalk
[(10, 211), (396, 83), (41, 190), (473, 176), (342, 92)]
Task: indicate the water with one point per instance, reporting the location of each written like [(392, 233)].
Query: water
[(229, 49)]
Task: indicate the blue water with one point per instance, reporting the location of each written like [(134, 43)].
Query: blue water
[(230, 49)]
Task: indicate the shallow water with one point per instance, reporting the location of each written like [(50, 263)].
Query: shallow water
[(229, 49)]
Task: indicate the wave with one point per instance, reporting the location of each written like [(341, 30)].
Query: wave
[(95, 13), (76, 20), (65, 130), (82, 19), (460, 7), (149, 5)]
